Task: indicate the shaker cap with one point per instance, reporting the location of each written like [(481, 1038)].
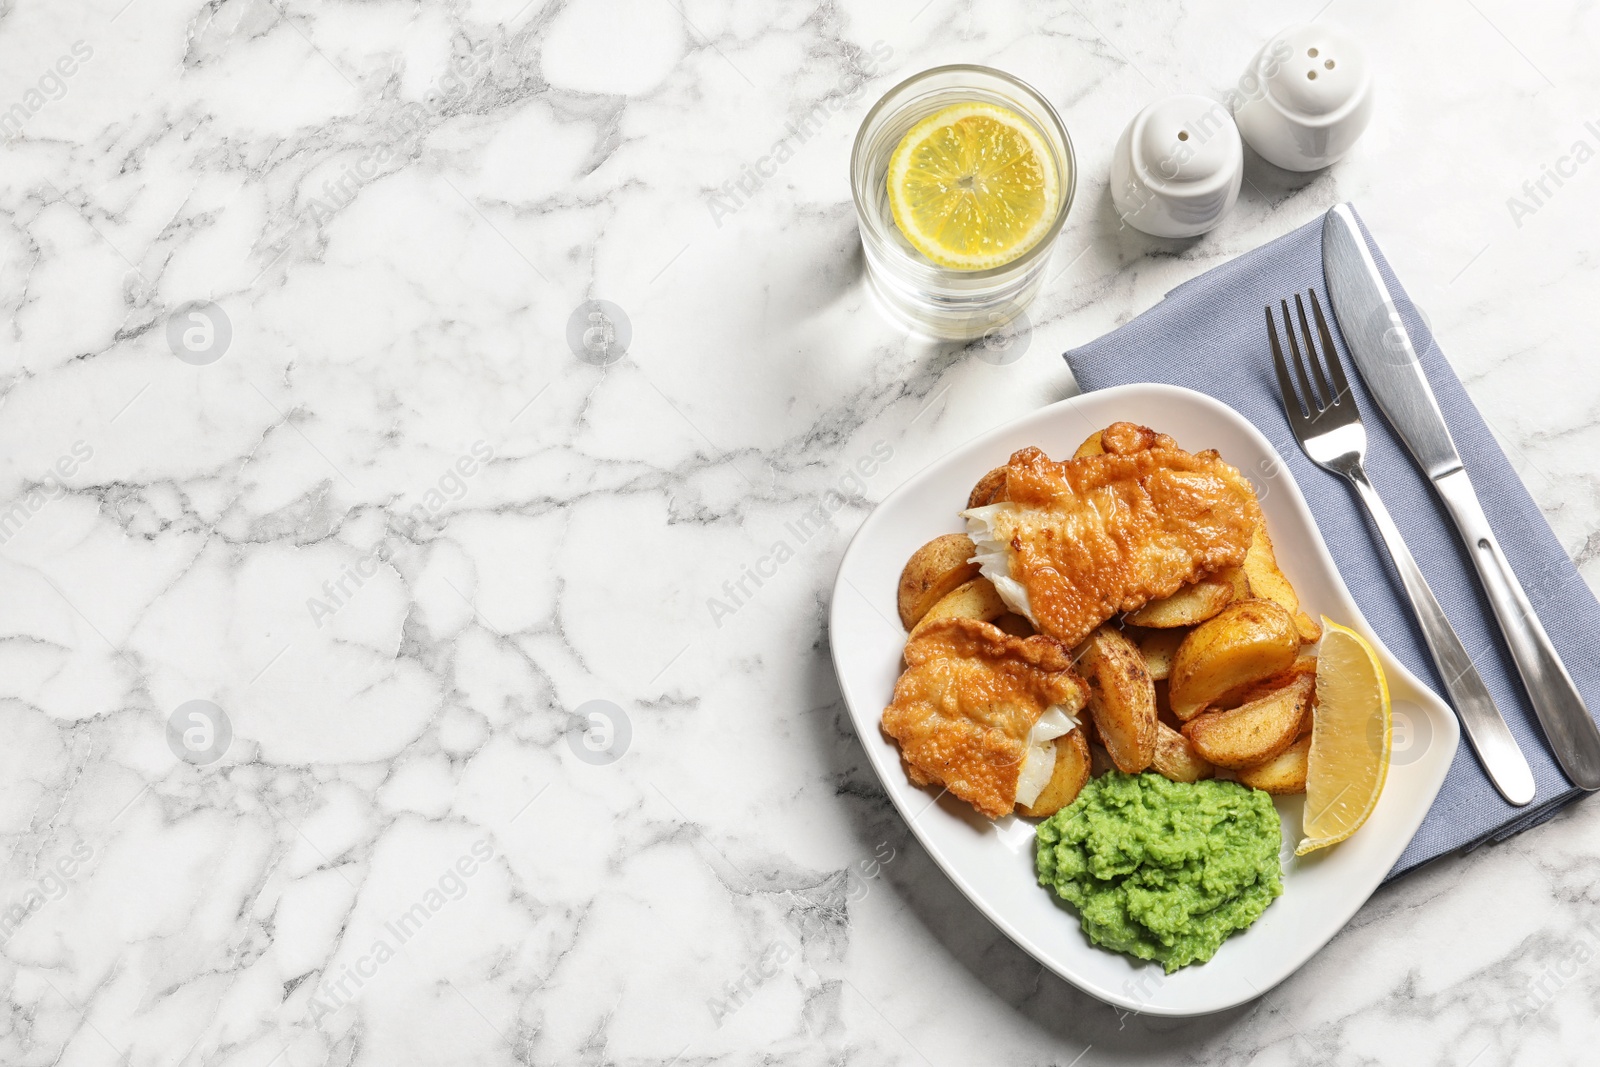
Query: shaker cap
[(1313, 71)]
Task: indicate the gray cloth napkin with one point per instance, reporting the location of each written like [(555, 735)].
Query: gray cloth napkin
[(1209, 334)]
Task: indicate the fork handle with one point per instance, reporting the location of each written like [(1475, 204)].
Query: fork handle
[(1486, 729), (1561, 710)]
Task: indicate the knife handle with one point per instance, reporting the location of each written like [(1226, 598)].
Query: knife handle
[(1568, 726), (1485, 727)]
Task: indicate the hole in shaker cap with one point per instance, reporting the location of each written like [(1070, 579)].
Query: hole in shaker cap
[(1328, 64), (1312, 52), (1311, 74), (1183, 135)]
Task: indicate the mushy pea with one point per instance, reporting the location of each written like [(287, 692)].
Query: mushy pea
[(1163, 870)]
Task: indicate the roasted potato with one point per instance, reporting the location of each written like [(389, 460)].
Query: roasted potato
[(1246, 642), (1122, 698), (1091, 446), (1310, 629), (931, 572), (988, 488), (976, 599), (1266, 580), (1283, 774), (1241, 583), (1158, 648), (1253, 733), (1189, 606), (1071, 772), (1304, 663), (1176, 758)]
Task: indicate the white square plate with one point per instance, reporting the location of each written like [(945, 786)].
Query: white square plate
[(992, 863)]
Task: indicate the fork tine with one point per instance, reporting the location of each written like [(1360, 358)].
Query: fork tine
[(1307, 394), (1291, 401), (1329, 398), (1335, 364)]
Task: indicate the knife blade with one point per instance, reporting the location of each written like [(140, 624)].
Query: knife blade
[(1383, 351)]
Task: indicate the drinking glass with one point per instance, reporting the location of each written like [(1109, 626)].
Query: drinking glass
[(913, 290)]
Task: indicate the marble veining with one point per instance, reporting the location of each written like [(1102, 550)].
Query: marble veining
[(395, 672)]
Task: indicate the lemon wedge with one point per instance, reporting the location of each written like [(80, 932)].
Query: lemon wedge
[(1350, 739), (973, 186)]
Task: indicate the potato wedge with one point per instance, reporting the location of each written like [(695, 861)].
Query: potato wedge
[(1304, 663), (976, 599), (1068, 778), (1091, 446), (988, 488), (1176, 758), (1285, 773), (1122, 698), (1267, 580), (931, 572), (1235, 577), (1310, 629), (1189, 606), (1246, 642), (1252, 733), (1158, 649)]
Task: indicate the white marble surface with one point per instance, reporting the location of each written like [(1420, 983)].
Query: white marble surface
[(397, 250)]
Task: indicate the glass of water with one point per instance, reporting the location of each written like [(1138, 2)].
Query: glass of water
[(914, 291)]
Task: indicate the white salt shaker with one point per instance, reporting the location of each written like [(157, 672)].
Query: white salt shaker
[(1177, 167), (1305, 98)]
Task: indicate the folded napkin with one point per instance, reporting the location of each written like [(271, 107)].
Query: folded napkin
[(1209, 334)]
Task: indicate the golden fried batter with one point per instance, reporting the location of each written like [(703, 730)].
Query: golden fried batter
[(1080, 540), (1126, 438), (968, 698)]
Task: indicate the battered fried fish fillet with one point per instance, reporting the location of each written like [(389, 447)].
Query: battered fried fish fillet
[(1075, 542), (968, 711)]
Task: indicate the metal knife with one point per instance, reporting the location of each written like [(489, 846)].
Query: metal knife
[(1377, 339)]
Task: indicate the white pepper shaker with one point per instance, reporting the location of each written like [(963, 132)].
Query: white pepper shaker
[(1176, 169), (1305, 98)]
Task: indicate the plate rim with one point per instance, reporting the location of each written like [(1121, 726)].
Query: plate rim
[(1318, 544)]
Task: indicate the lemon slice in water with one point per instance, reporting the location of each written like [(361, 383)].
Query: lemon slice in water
[(973, 186)]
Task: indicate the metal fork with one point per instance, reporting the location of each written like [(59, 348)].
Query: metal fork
[(1328, 426)]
